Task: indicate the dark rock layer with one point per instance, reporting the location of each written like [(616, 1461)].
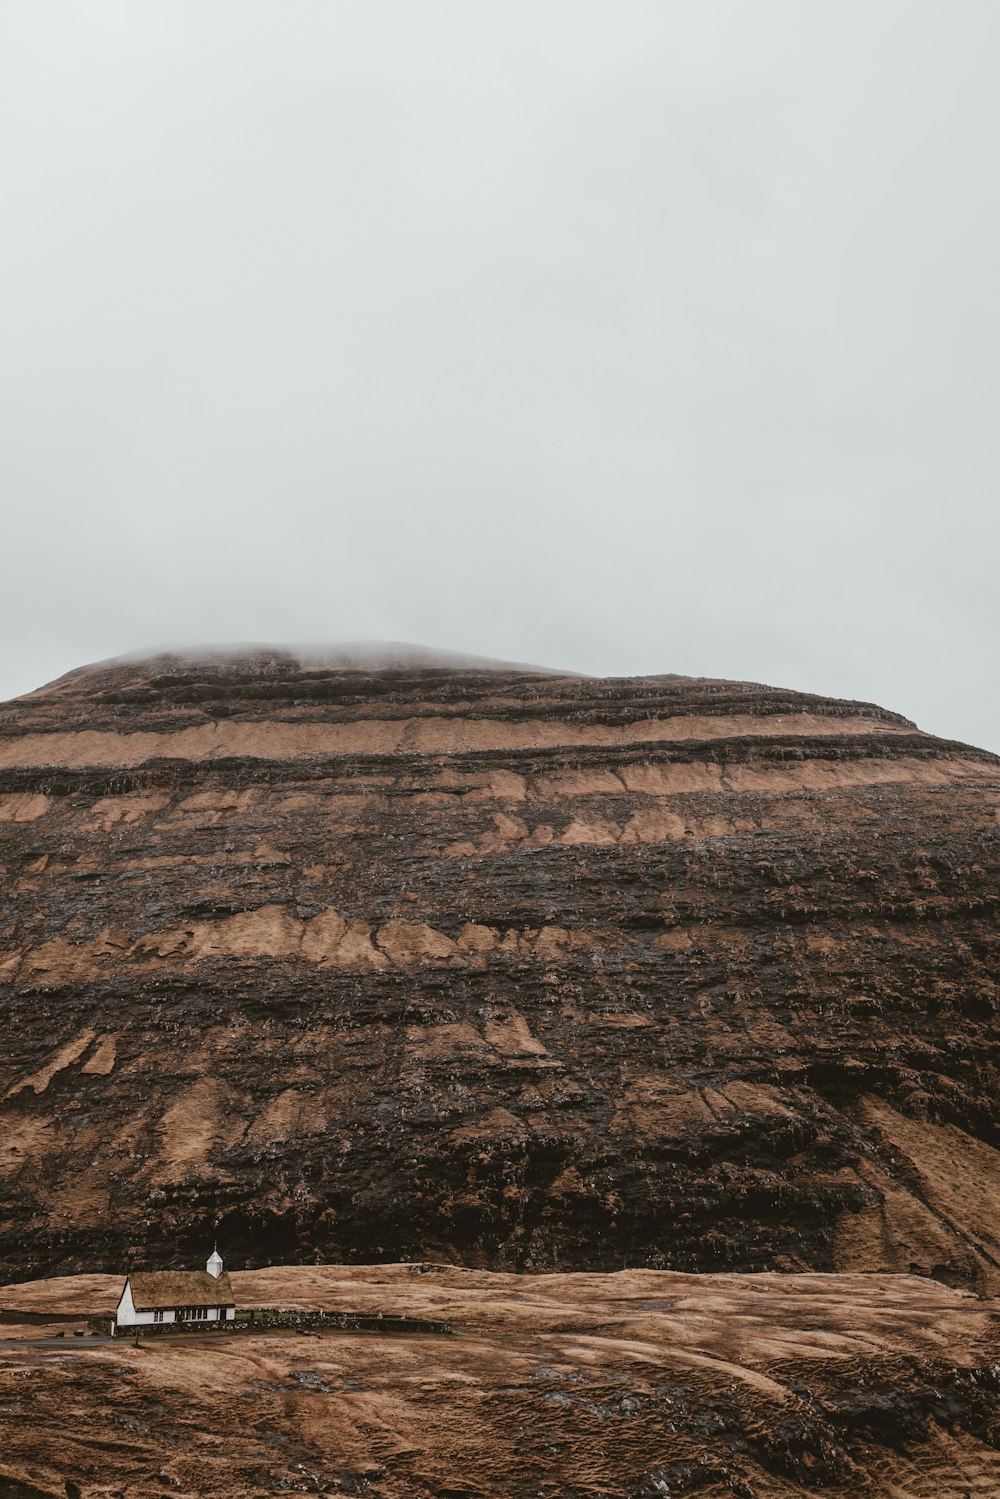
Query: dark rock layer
[(357, 959)]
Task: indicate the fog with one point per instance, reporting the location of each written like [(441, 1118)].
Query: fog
[(619, 336)]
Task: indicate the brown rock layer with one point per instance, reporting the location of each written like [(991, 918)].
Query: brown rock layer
[(409, 959)]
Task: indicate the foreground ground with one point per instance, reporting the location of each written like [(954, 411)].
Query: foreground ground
[(642, 1383)]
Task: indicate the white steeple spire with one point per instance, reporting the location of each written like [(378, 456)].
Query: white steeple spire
[(214, 1266)]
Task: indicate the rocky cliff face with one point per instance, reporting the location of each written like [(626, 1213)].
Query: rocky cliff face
[(386, 957)]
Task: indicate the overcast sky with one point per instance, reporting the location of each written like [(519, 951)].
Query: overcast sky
[(606, 334)]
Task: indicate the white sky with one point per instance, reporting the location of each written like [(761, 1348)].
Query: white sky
[(619, 336)]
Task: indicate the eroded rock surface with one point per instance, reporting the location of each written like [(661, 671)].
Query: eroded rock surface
[(378, 958)]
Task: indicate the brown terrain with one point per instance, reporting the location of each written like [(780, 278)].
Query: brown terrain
[(634, 1385), (355, 957)]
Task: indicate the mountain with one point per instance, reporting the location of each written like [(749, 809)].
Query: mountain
[(369, 953)]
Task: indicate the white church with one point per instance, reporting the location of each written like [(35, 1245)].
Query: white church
[(176, 1296)]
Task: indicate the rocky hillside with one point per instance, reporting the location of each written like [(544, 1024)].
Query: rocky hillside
[(361, 957)]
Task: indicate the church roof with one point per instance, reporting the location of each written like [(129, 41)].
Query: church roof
[(169, 1288)]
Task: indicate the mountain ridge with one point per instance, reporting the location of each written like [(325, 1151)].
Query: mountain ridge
[(517, 968)]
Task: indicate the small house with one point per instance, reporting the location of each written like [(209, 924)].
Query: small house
[(155, 1296)]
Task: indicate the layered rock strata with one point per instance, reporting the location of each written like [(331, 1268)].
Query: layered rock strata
[(355, 957)]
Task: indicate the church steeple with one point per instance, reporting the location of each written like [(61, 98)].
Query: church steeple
[(214, 1266)]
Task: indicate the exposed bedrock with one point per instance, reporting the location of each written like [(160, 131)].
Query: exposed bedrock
[(361, 957)]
